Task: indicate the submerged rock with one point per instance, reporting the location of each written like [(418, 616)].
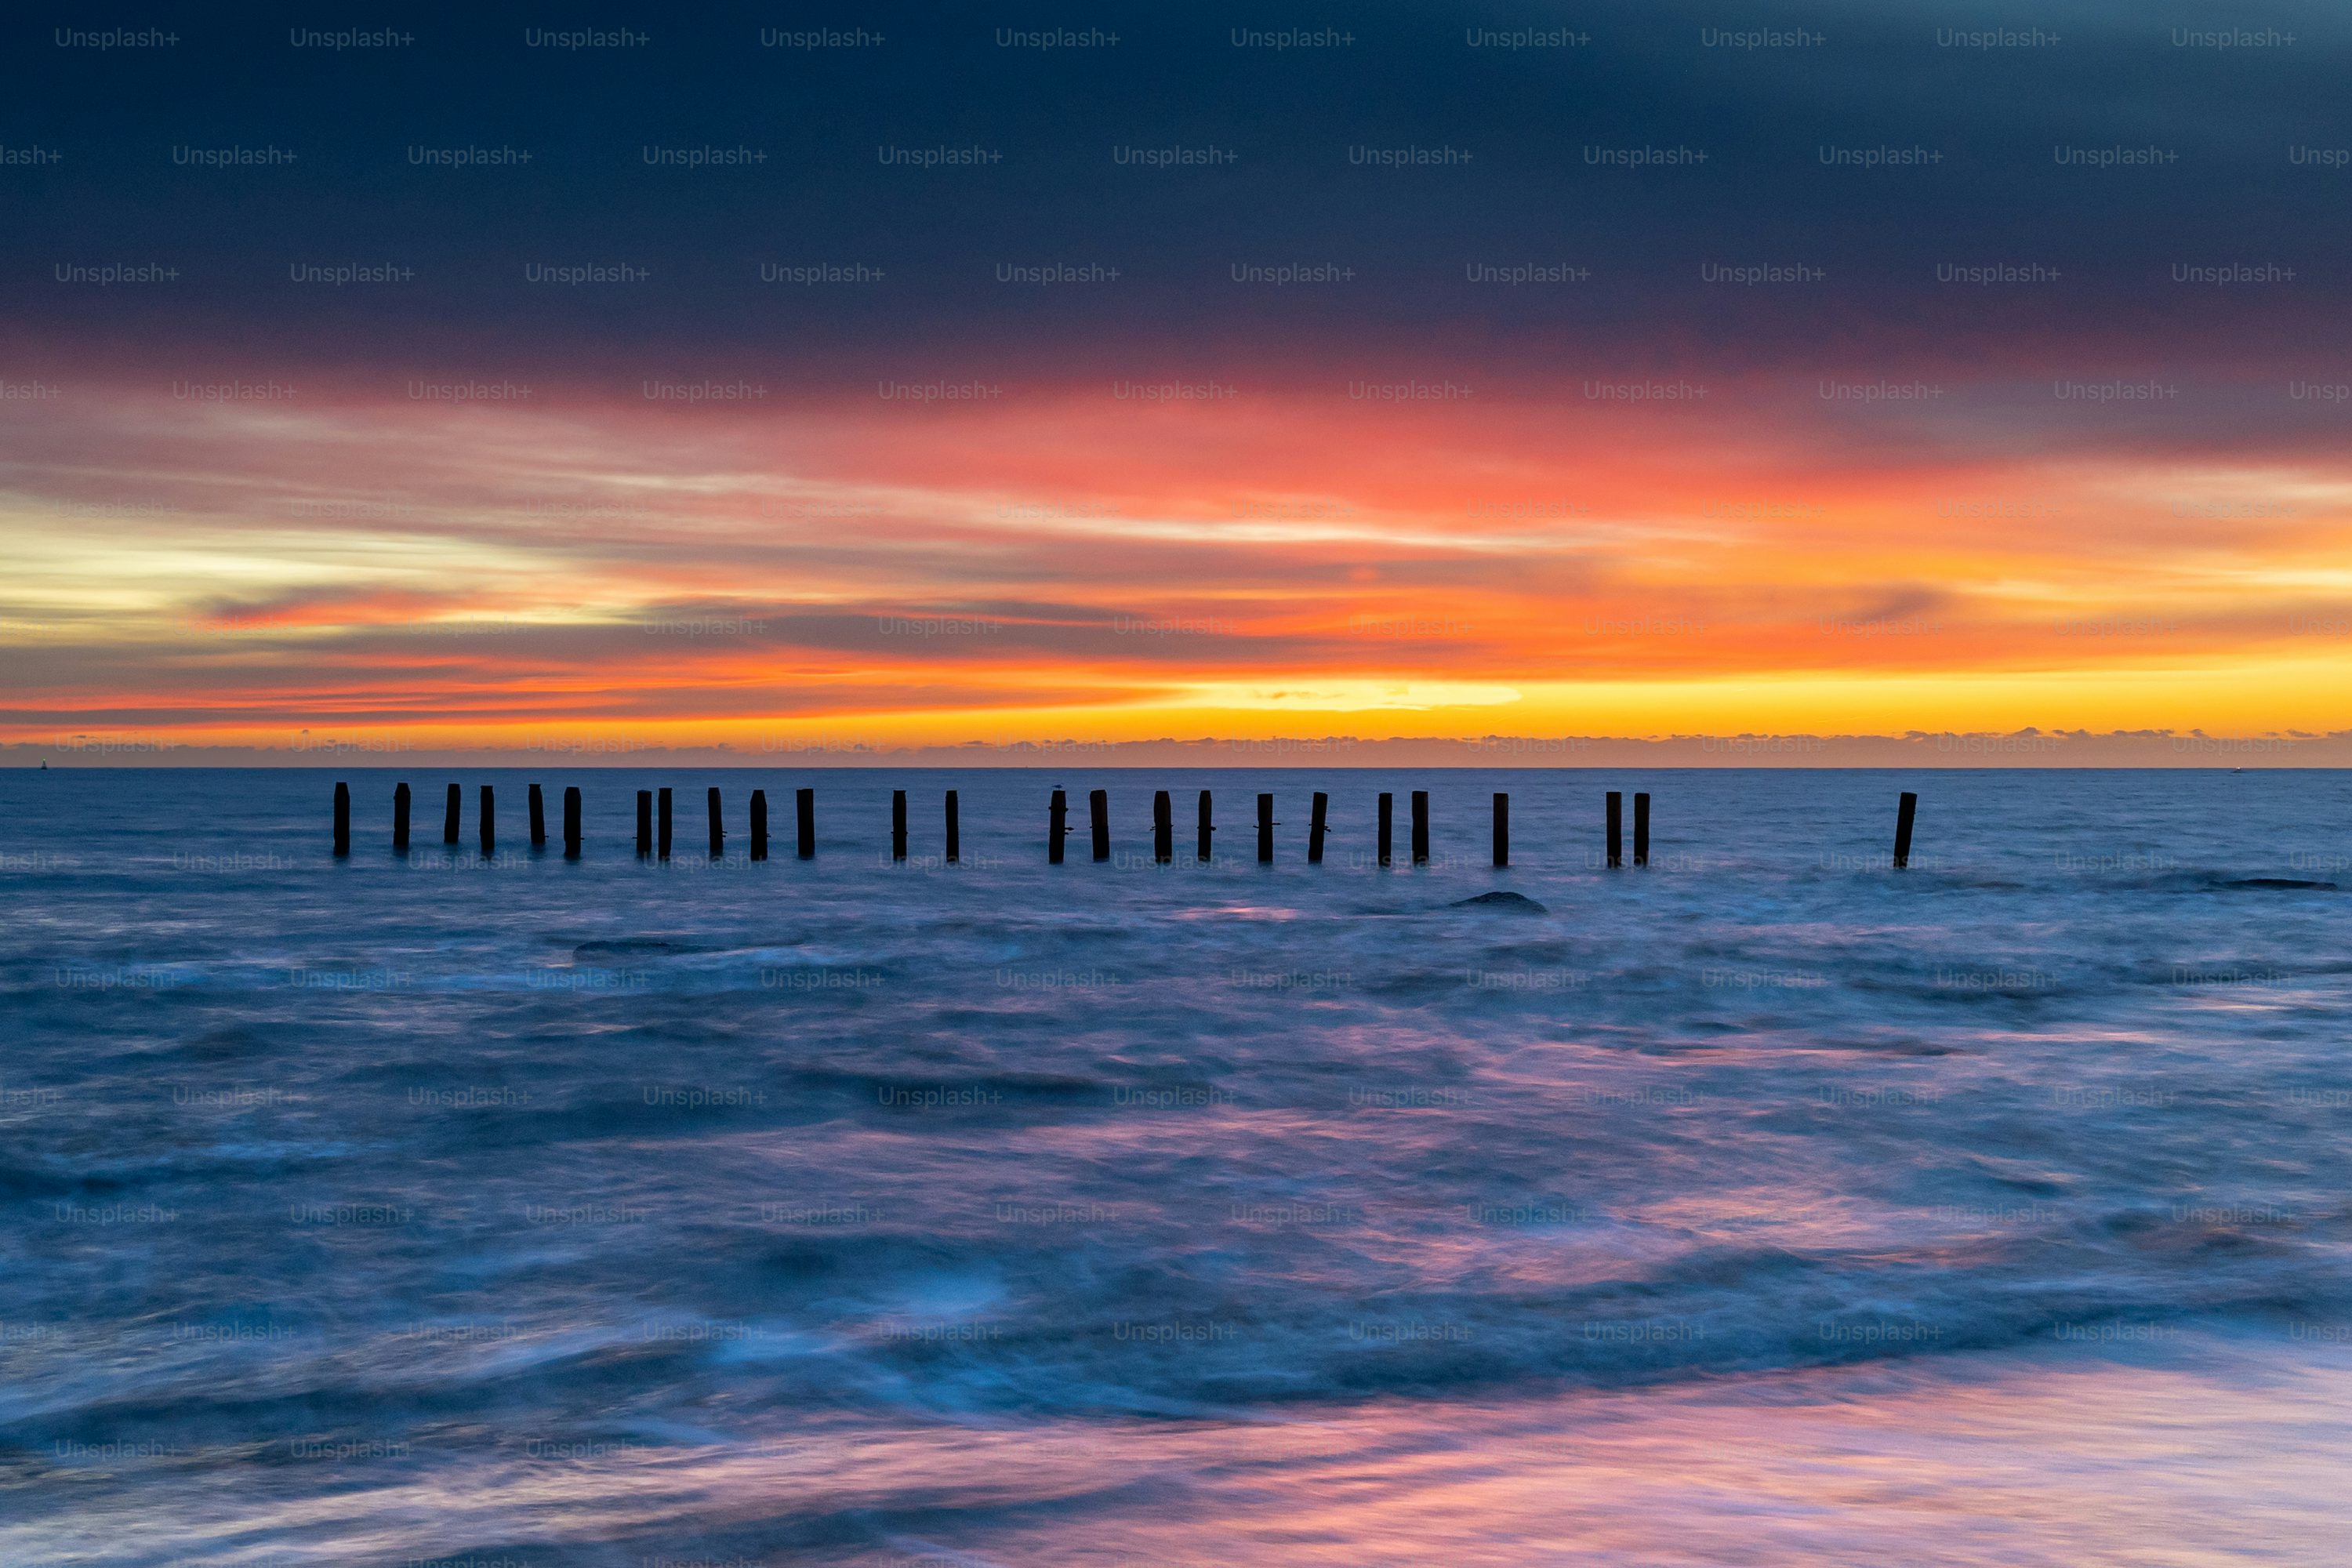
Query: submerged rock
[(1501, 901), (636, 944)]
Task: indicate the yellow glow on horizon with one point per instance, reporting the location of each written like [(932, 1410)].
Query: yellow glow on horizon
[(1317, 696)]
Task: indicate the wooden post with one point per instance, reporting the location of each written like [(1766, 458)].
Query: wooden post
[(1388, 811), (490, 825), (1315, 815), (645, 823), (400, 818), (1098, 818), (1265, 830), (1208, 826), (449, 818), (1502, 828), (1420, 827), (1903, 815), (1642, 828), (1057, 825), (805, 804), (759, 824), (1616, 830), (661, 841), (898, 825), (717, 827), (342, 819), (571, 821), (538, 819), (955, 831), (1163, 827)]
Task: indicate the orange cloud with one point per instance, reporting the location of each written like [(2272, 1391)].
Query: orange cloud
[(1541, 558)]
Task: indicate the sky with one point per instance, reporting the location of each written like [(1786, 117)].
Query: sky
[(916, 376)]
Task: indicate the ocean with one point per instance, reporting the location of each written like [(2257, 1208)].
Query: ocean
[(1762, 1206)]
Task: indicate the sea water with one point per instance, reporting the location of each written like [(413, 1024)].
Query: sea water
[(1762, 1205)]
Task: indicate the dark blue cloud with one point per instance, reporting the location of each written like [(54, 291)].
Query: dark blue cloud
[(1397, 144)]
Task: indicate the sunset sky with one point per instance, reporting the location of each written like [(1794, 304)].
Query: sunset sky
[(970, 485)]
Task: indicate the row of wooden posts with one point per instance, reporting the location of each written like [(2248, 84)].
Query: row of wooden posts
[(654, 825)]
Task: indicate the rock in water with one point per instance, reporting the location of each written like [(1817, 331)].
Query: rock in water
[(649, 946), (1518, 901)]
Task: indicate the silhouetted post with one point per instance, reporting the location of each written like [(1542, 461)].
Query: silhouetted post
[(662, 815), (489, 825), (1314, 817), (342, 819), (571, 821), (449, 818), (1642, 828), (1903, 815), (1502, 828), (1616, 830), (1420, 827), (645, 823), (1098, 818), (538, 819), (759, 824), (717, 827), (898, 825), (1163, 827), (1208, 826), (1057, 825), (1265, 830), (805, 804), (400, 818), (955, 831), (1388, 812)]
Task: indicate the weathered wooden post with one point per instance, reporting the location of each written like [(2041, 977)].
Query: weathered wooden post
[(342, 819), (571, 821), (1163, 827), (489, 825), (955, 831), (645, 823), (1057, 825), (1642, 828), (1315, 815), (1208, 826), (1903, 815), (1420, 827), (1098, 818), (898, 825), (805, 804), (1616, 830), (717, 827), (759, 824), (1502, 828), (662, 814), (1265, 830), (1388, 812), (400, 818), (538, 819), (449, 818)]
